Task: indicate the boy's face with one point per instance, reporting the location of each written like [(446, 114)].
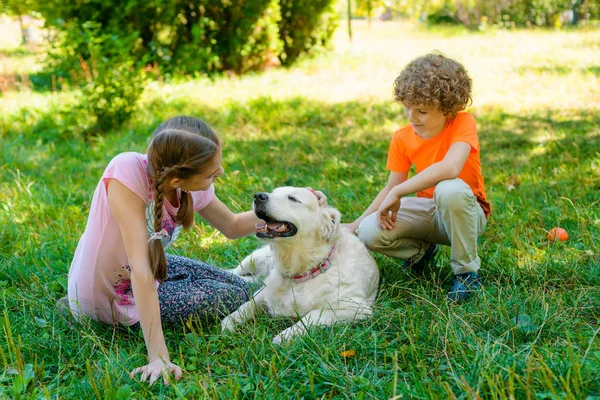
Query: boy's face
[(426, 121)]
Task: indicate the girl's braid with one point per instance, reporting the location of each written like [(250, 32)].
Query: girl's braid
[(157, 251)]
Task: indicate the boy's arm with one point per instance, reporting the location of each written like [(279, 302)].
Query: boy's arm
[(448, 168), (394, 179)]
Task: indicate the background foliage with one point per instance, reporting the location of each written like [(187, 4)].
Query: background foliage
[(109, 48), (305, 25), (477, 14), (196, 37)]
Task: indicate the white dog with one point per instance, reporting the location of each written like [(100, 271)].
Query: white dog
[(316, 270)]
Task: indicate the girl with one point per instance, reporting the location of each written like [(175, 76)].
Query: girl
[(120, 274)]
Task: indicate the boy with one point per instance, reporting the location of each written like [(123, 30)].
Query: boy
[(451, 207)]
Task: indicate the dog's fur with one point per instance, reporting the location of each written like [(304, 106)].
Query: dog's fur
[(346, 291)]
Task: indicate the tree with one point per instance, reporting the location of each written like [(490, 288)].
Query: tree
[(19, 9), (367, 7)]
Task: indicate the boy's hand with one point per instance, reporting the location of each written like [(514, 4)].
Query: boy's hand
[(320, 196), (352, 227), (156, 369), (388, 211)]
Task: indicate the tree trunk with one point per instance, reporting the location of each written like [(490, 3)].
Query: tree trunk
[(576, 12), (23, 32), (350, 20)]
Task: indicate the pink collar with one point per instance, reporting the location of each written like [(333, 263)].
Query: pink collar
[(319, 269)]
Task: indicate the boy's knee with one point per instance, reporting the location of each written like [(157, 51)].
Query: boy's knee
[(369, 232), (452, 194)]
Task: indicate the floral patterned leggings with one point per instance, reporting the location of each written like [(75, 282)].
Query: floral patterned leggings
[(194, 288)]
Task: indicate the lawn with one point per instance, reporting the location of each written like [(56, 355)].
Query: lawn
[(533, 332)]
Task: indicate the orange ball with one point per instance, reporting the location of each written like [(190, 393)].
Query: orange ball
[(558, 234)]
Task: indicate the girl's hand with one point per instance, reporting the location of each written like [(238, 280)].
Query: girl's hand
[(156, 369), (388, 211)]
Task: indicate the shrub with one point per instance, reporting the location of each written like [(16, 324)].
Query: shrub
[(104, 46), (237, 36), (503, 13), (177, 37), (102, 66), (305, 25)]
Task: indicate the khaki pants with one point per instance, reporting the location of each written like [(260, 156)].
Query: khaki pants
[(453, 218)]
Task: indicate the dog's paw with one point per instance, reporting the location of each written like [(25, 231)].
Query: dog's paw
[(239, 271), (228, 325), (255, 280), (277, 339), (284, 336)]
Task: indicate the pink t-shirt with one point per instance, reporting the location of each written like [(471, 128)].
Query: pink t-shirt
[(100, 278)]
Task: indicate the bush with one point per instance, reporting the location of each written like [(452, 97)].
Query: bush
[(203, 36), (111, 97), (305, 25), (442, 17), (104, 46), (102, 66), (218, 36), (506, 14)]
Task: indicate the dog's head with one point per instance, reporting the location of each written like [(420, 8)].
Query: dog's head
[(294, 212)]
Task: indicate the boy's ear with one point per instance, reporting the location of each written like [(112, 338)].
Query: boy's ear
[(330, 222)]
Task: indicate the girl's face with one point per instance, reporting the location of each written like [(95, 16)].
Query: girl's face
[(203, 180), (426, 121)]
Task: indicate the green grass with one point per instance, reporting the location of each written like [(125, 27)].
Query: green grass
[(532, 333)]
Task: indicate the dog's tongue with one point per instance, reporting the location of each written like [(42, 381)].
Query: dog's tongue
[(274, 225)]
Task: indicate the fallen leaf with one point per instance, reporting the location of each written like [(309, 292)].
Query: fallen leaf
[(348, 353), (514, 181)]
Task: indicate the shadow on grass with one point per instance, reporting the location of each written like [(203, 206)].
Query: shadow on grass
[(20, 51), (24, 79), (547, 157), (556, 70), (38, 82)]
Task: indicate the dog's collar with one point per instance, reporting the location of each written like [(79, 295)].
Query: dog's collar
[(319, 269)]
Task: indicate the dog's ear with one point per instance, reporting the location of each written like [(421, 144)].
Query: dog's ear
[(330, 222)]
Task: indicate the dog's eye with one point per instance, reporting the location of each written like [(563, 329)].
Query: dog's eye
[(292, 198)]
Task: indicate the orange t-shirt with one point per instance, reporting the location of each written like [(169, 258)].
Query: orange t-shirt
[(408, 148)]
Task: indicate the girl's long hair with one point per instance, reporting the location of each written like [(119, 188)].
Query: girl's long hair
[(180, 148)]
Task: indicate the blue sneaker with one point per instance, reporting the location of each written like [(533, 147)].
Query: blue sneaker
[(419, 264), (464, 285)]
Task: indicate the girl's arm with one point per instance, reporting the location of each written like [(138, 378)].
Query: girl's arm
[(128, 210), (394, 179), (229, 224), (233, 225), (448, 168)]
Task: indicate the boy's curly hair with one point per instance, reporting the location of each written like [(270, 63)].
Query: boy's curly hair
[(436, 81)]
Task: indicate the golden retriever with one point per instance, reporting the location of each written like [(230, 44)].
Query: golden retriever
[(315, 269)]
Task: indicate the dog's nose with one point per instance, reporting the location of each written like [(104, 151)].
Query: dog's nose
[(261, 197)]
